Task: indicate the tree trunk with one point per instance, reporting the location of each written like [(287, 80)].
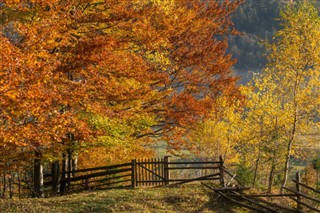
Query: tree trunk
[(4, 185), (69, 163), (74, 165), (286, 166), (271, 174), (271, 177), (256, 171), (63, 174), (289, 147), (38, 176), (55, 171), (11, 186), (258, 159)]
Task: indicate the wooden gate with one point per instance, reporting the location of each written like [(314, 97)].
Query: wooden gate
[(150, 172)]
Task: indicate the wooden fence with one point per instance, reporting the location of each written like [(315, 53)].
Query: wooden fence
[(153, 172), (138, 173), (306, 198)]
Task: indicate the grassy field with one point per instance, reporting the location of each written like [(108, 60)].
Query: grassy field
[(187, 198)]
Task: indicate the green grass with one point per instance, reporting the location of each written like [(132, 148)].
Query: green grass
[(186, 198)]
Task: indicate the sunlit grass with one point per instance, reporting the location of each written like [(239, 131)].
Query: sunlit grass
[(187, 198)]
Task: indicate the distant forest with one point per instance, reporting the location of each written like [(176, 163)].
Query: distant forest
[(257, 20)]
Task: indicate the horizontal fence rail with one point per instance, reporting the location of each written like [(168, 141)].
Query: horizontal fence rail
[(303, 198)]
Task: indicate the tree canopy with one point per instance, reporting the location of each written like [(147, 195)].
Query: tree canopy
[(112, 70)]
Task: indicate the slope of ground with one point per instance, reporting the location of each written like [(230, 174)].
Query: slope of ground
[(187, 198)]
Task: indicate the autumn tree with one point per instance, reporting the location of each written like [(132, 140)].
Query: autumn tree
[(284, 99), (74, 72)]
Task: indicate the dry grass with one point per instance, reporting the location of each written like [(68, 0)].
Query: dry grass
[(187, 198)]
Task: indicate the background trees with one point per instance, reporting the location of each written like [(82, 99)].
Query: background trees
[(281, 104)]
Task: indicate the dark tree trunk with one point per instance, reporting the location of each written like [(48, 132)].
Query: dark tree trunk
[(55, 171), (38, 176), (63, 174)]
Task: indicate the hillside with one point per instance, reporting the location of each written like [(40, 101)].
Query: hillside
[(187, 198), (257, 20)]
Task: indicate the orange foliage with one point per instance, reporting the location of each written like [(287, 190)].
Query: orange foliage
[(111, 58)]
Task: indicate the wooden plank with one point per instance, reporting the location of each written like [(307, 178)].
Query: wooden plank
[(150, 171), (232, 175), (262, 195), (306, 205), (222, 183), (162, 172), (303, 195), (275, 205), (191, 180), (199, 162), (306, 186), (166, 170), (100, 168), (194, 167), (142, 173), (139, 173), (259, 204), (239, 203), (150, 181), (298, 189), (98, 174), (133, 173), (250, 207), (145, 162), (236, 188)]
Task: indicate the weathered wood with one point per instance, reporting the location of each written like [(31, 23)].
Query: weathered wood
[(259, 204), (194, 179), (303, 195), (285, 209), (194, 167), (133, 173), (222, 183), (306, 205), (100, 168), (298, 189), (185, 180), (243, 196), (166, 170), (150, 181), (239, 203), (198, 162), (262, 195), (232, 175), (236, 188), (98, 174), (306, 186)]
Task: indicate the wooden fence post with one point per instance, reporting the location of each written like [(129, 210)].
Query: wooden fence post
[(166, 170), (134, 173), (298, 189), (222, 183)]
